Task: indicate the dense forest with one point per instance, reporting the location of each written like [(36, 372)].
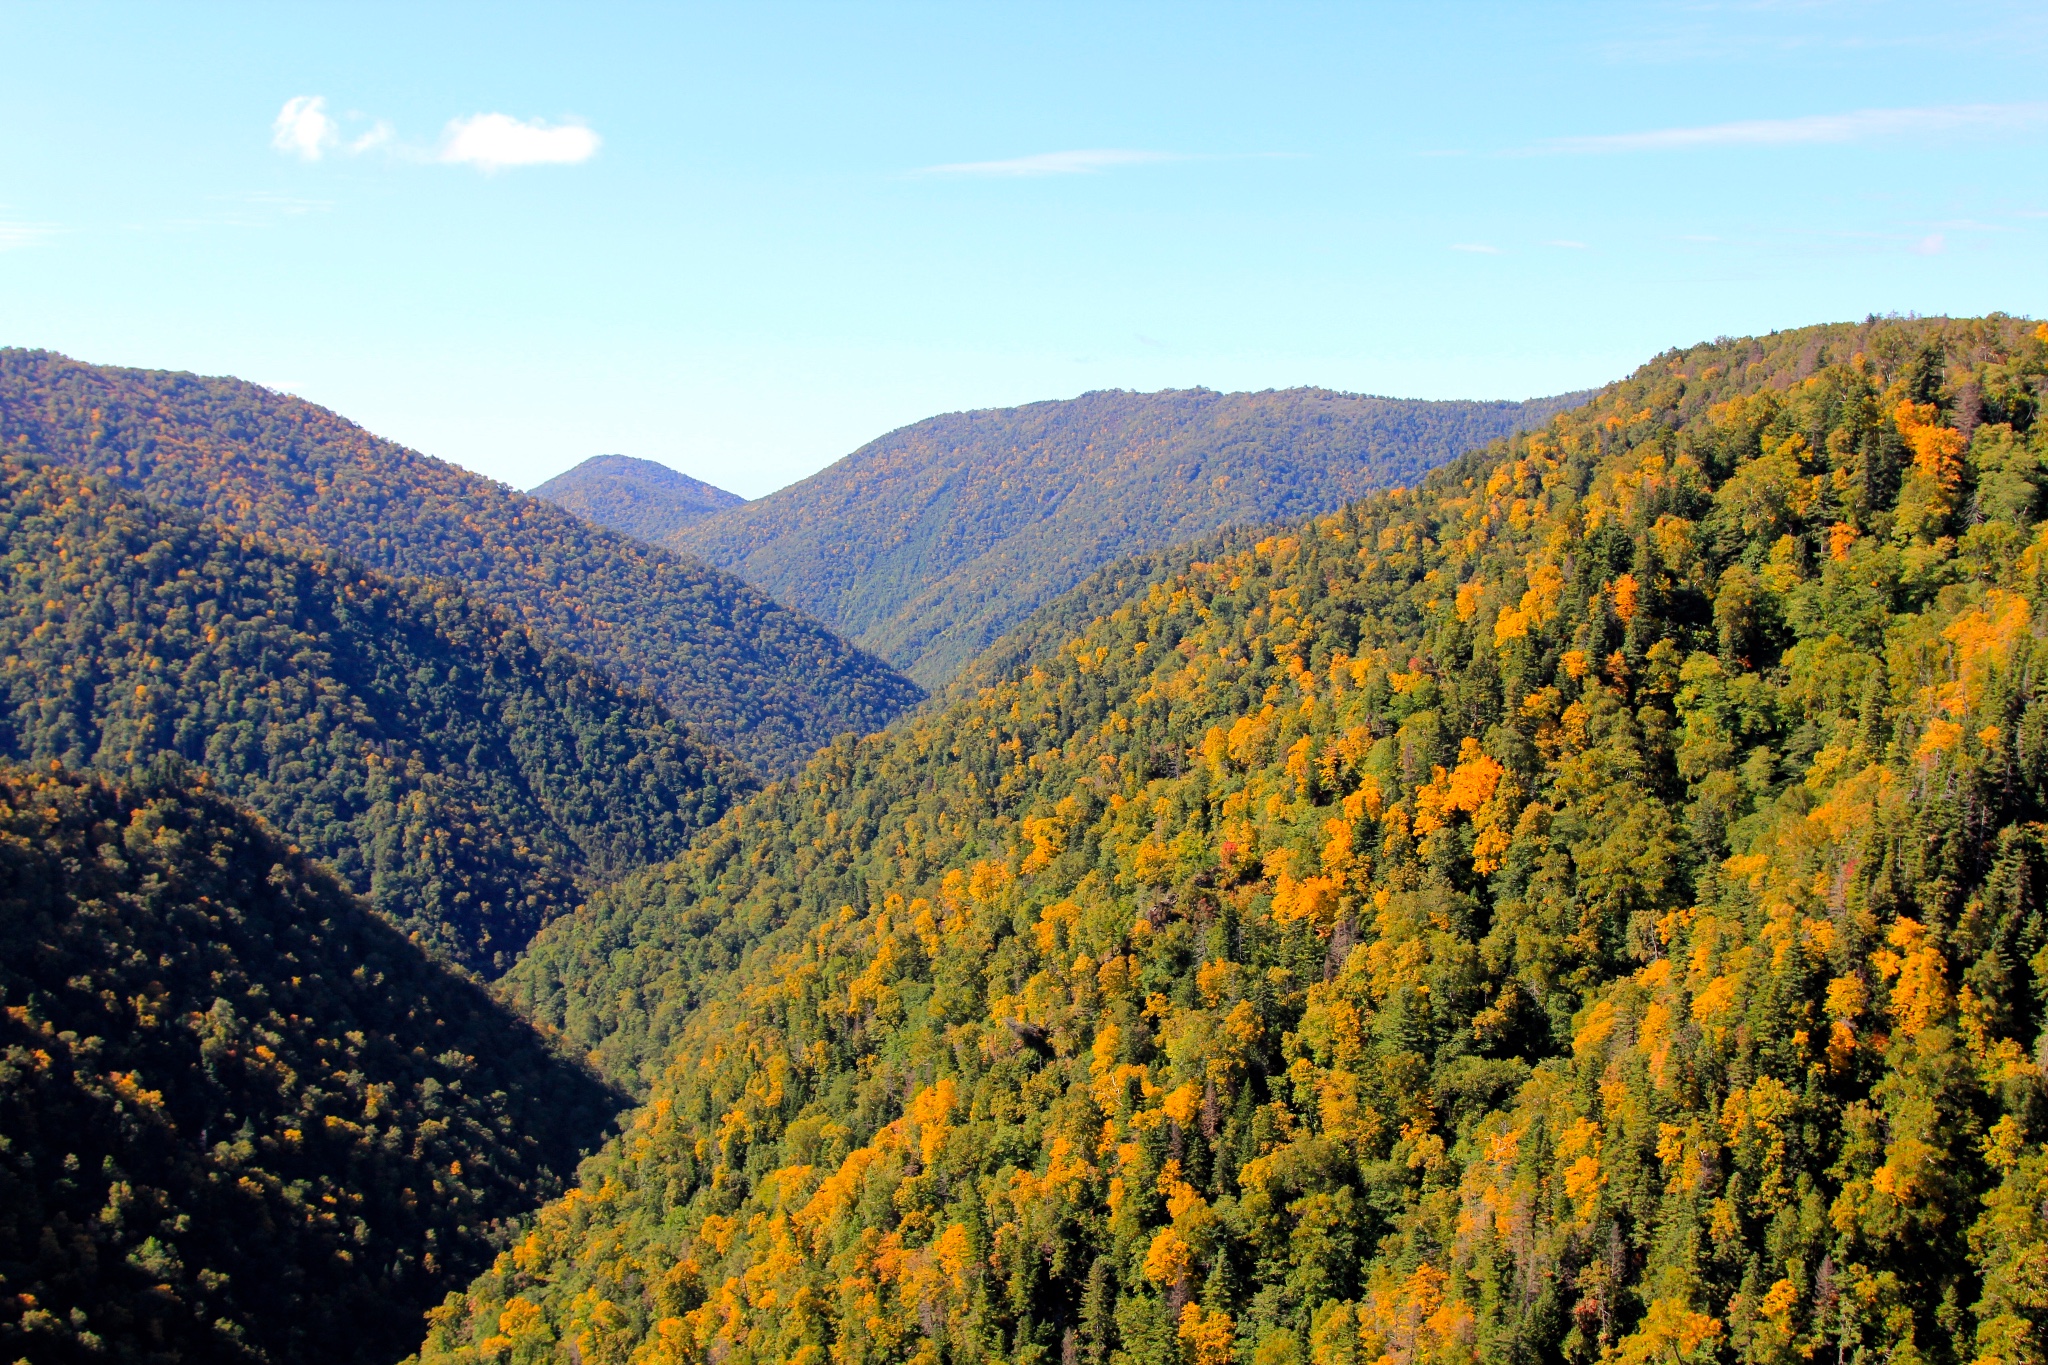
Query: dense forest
[(455, 768), (927, 545), (637, 497), (242, 1119), (768, 683), (1587, 908)]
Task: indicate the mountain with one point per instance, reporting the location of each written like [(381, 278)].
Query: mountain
[(767, 683), (454, 767), (927, 545), (242, 1119), (636, 497), (1593, 907)]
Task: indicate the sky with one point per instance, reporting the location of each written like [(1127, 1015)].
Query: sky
[(745, 240)]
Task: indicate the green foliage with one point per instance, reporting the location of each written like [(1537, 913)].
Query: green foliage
[(765, 682), (1590, 908), (637, 497), (928, 544), (241, 1118), (451, 765)]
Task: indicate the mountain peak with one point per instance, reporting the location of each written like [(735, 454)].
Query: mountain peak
[(637, 497)]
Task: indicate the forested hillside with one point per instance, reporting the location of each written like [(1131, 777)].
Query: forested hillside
[(452, 766), (241, 1118), (1590, 908), (638, 497), (768, 683), (928, 544)]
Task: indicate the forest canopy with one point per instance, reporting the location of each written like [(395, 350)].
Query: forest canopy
[(1588, 908)]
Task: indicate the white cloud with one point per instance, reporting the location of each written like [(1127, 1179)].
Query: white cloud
[(1855, 126), (1476, 248), (303, 129), (1054, 163), (493, 141)]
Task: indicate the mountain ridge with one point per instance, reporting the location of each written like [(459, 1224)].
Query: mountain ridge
[(764, 681), (929, 542)]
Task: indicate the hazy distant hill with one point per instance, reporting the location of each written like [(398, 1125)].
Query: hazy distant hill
[(455, 767), (242, 1119), (928, 544), (768, 682), (638, 497)]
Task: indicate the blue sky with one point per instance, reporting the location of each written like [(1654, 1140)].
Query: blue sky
[(745, 240)]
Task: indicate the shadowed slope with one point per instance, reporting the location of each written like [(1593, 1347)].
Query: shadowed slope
[(241, 1118), (456, 768)]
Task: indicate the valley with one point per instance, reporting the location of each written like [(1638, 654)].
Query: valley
[(1153, 879)]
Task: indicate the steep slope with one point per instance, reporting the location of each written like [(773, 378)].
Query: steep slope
[(928, 544), (455, 768), (637, 497), (241, 1118), (767, 683), (1588, 909)]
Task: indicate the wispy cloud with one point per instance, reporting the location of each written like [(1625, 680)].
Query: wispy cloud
[(1055, 163), (303, 129), (14, 235), (255, 209), (378, 135), (1856, 126), (494, 141), (1476, 248), (290, 205)]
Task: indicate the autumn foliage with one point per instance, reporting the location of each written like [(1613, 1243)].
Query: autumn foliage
[(1589, 908)]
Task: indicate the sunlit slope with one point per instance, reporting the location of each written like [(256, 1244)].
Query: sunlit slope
[(927, 545), (767, 683), (241, 1118), (455, 767), (1589, 908)]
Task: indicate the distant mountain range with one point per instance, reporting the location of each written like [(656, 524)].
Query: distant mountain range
[(638, 497), (766, 682), (926, 545)]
